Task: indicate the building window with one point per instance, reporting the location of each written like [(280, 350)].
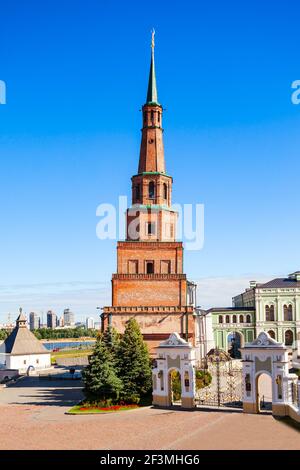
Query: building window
[(288, 313), (288, 338), (165, 191), (248, 319), (270, 312), (37, 361), (133, 266), (151, 228), (137, 192), (151, 190), (220, 319), (241, 319), (165, 267), (150, 267), (24, 361), (234, 319), (227, 319), (145, 118), (152, 118)]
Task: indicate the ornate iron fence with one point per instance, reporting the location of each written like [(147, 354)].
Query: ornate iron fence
[(226, 387)]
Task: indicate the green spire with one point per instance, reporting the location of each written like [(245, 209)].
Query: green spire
[(152, 89)]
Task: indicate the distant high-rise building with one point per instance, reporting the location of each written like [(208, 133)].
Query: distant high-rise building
[(34, 321), (51, 320), (97, 325), (90, 323), (60, 322), (69, 318)]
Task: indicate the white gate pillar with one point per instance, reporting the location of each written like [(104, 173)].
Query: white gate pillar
[(174, 354), (265, 355)]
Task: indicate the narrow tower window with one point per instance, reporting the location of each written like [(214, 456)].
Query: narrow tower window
[(151, 228), (152, 118), (151, 190), (165, 191), (137, 192), (150, 267)]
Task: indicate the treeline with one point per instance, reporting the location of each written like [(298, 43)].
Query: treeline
[(80, 332), (3, 334)]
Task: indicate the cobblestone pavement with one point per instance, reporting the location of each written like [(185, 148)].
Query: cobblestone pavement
[(32, 416)]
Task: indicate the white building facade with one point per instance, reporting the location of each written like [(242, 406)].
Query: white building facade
[(22, 351)]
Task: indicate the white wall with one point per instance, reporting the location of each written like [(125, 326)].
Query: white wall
[(38, 361)]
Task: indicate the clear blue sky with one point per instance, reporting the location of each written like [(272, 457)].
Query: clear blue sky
[(76, 75)]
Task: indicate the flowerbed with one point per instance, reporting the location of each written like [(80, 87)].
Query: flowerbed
[(108, 408), (90, 408)]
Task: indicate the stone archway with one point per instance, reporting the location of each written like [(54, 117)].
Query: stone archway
[(174, 354), (263, 385), (174, 386), (267, 356)]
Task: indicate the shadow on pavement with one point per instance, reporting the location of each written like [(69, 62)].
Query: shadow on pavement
[(288, 422), (36, 392)]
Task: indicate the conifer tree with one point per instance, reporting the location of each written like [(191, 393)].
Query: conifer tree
[(134, 363), (100, 379), (111, 339)]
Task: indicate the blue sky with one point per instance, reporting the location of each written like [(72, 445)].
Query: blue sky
[(76, 75)]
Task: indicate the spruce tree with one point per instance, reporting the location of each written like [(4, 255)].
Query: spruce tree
[(100, 379), (111, 339), (134, 364)]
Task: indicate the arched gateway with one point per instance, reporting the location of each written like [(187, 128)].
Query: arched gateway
[(174, 354), (265, 356)]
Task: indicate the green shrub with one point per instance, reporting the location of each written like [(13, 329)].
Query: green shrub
[(203, 379)]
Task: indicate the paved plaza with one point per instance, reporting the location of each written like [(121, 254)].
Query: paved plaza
[(32, 416)]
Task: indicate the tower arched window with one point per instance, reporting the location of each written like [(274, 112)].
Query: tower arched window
[(145, 118), (137, 192), (234, 319), (241, 319), (288, 312), (151, 190), (248, 319), (220, 319), (270, 312), (227, 319), (152, 117), (158, 117), (165, 191)]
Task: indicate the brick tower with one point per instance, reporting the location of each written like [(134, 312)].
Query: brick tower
[(150, 284)]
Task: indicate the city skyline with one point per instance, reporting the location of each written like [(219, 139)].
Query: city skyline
[(229, 115)]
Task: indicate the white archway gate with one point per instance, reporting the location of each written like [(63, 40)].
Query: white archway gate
[(174, 354), (266, 356)]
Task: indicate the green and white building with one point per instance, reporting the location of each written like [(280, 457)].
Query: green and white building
[(273, 306)]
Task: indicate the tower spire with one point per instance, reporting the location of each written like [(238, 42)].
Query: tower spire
[(152, 88)]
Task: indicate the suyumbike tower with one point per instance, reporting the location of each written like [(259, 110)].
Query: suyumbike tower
[(150, 284)]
